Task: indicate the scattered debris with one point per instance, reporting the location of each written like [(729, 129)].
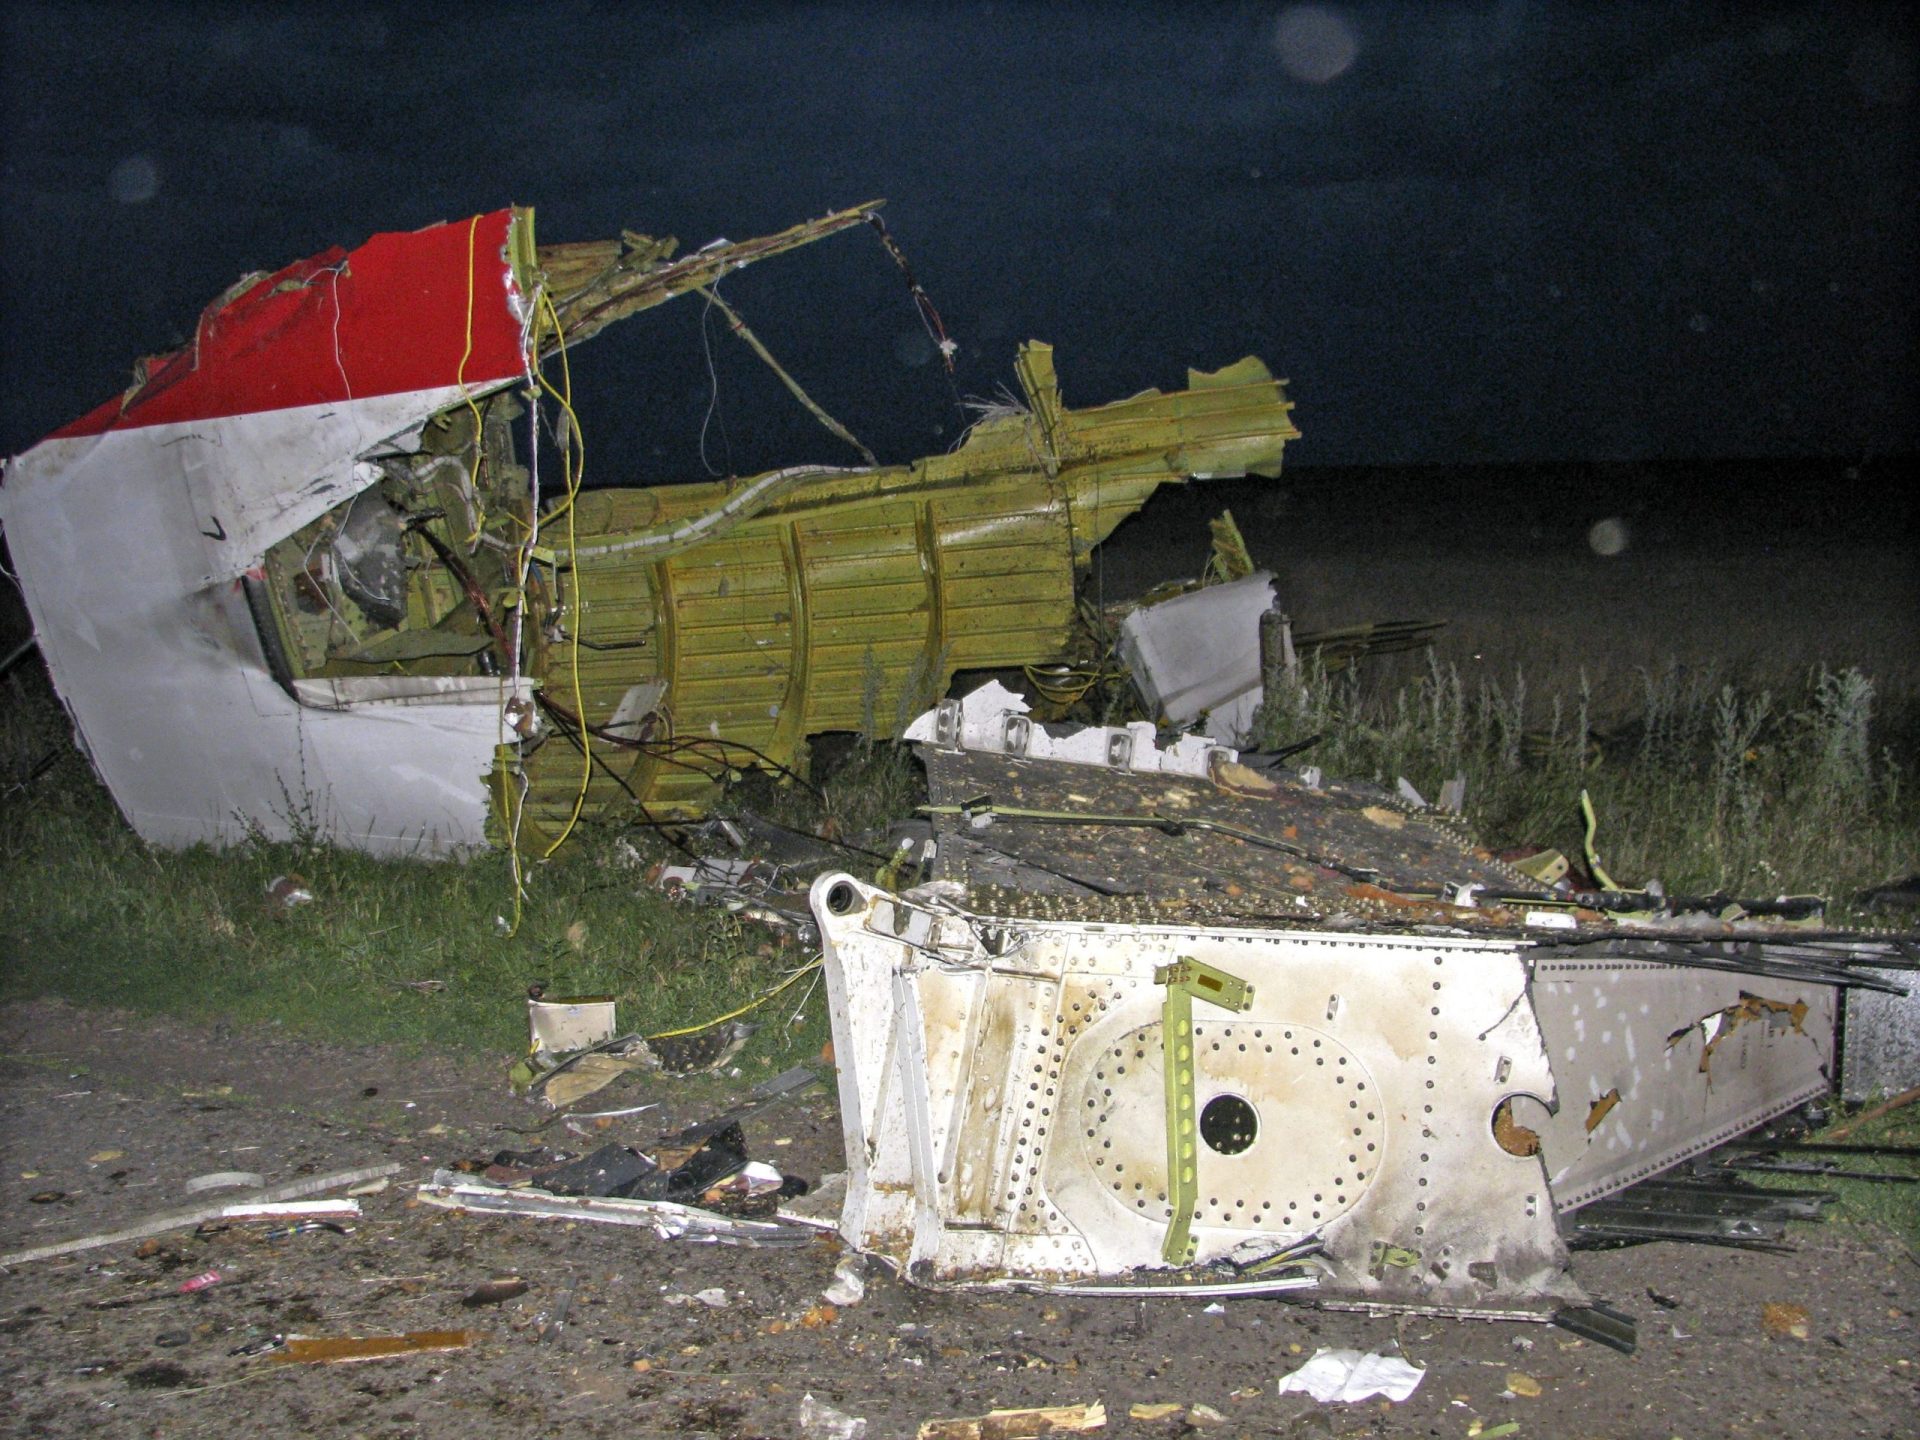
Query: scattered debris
[(1600, 1323), (200, 1215), (849, 1285), (225, 1180), (346, 1350), (551, 1323), (495, 1291), (1708, 1205), (562, 1080), (667, 1219), (289, 891), (1347, 1376), (1786, 1322), (562, 1026), (1155, 1410), (820, 1421), (610, 1170), (714, 1298), (1018, 1424), (1826, 1161), (292, 1210)]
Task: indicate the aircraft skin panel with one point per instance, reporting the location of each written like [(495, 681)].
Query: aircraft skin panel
[(145, 630)]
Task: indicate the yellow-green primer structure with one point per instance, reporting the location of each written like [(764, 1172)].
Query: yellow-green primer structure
[(813, 611)]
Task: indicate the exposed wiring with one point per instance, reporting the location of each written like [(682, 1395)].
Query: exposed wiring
[(336, 271), (517, 598), (727, 755), (574, 461), (754, 1004), (1068, 684), (712, 293), (422, 477), (929, 317), (473, 408), (753, 342)]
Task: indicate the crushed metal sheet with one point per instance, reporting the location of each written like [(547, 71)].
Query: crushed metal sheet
[(187, 1218), (1006, 1092), (1882, 1051), (1220, 846), (1716, 1208), (1198, 654), (667, 1219)]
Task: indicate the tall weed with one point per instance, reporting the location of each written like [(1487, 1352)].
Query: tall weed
[(1707, 784)]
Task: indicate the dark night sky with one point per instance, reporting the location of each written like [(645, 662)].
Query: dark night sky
[(1467, 232)]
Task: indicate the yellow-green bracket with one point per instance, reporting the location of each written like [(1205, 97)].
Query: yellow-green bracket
[(1186, 980)]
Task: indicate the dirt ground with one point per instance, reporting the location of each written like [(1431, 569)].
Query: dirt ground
[(105, 1116)]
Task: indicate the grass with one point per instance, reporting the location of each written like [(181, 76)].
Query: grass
[(91, 913), (1703, 782)]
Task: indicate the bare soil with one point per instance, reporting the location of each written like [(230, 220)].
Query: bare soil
[(105, 1116)]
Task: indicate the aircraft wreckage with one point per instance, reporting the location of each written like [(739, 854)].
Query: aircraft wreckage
[(1161, 1018), (307, 571)]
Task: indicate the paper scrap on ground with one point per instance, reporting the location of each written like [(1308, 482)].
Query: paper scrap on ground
[(1347, 1375), (1018, 1424), (820, 1421)]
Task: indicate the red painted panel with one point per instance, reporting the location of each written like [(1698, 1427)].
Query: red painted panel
[(390, 317)]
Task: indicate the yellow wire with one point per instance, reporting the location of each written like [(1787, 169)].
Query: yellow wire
[(806, 969), (1066, 684), (515, 800), (575, 462), (460, 379)]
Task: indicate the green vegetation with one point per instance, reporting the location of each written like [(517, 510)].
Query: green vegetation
[(1707, 784), (408, 950), (1870, 1202)]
